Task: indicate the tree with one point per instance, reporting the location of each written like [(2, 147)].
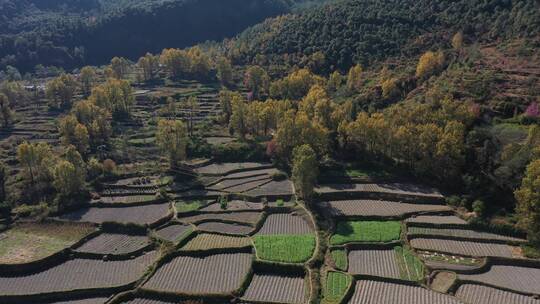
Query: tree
[(334, 81), (74, 133), (225, 71), (238, 121), (31, 157), (3, 178), (457, 41), (5, 111), (256, 81), (95, 119), (296, 85), (176, 62), (354, 78), (87, 79), (305, 171), (390, 88), (528, 202), (429, 64), (116, 96), (67, 179), (60, 91), (191, 105), (119, 67), (199, 63), (149, 66), (172, 138)]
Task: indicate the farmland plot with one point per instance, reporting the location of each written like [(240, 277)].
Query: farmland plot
[(285, 223), (109, 243), (174, 233), (437, 219), (479, 294), (285, 248), (375, 292), (240, 185), (248, 217), (468, 248), (218, 273), (206, 241), (251, 173), (30, 242), (236, 229), (340, 259), (146, 301), (523, 279), (378, 208), (234, 205), (276, 188), (374, 262), (462, 233), (366, 231), (78, 274), (384, 188), (336, 285), (129, 199), (82, 301), (225, 168), (270, 288), (141, 215)]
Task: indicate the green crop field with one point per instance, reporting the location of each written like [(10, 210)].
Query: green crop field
[(182, 206), (336, 286), (285, 248), (366, 231), (410, 267), (340, 259)]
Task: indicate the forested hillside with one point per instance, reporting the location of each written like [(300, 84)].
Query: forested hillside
[(348, 31), (72, 33)]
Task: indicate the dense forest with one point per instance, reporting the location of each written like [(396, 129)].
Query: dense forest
[(73, 33)]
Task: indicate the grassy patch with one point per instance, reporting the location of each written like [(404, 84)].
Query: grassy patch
[(336, 286), (410, 267), (340, 259), (531, 251), (30, 242), (206, 241), (450, 259), (285, 248), (366, 231), (182, 206)]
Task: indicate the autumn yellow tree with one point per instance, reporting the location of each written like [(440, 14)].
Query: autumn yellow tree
[(172, 139), (149, 66), (116, 96), (256, 80), (60, 91), (224, 71), (87, 79), (354, 78), (457, 41), (176, 62), (119, 67), (304, 171), (5, 111), (429, 64)]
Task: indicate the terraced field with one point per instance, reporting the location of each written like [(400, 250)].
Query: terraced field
[(273, 188), (146, 301), (141, 215), (479, 294), (366, 231), (381, 188), (207, 241), (234, 205), (285, 223), (335, 287), (218, 273), (82, 301), (226, 168), (437, 219), (78, 274), (248, 217), (462, 233), (375, 292), (468, 248), (374, 262), (269, 288), (521, 279), (108, 243), (236, 229), (378, 208), (173, 233), (295, 248), (31, 242)]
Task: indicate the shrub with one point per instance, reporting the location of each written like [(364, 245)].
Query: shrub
[(479, 207), (279, 176), (109, 167)]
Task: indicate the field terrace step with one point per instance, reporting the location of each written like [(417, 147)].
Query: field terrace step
[(115, 244), (479, 294), (226, 228), (378, 292), (229, 178), (80, 300), (464, 234), (390, 191), (240, 185), (285, 223), (273, 190), (378, 208), (228, 168), (215, 242), (174, 232), (140, 215), (245, 217), (275, 288), (378, 262), (147, 301), (77, 275), (436, 220), (234, 205), (459, 247), (514, 278), (211, 274)]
